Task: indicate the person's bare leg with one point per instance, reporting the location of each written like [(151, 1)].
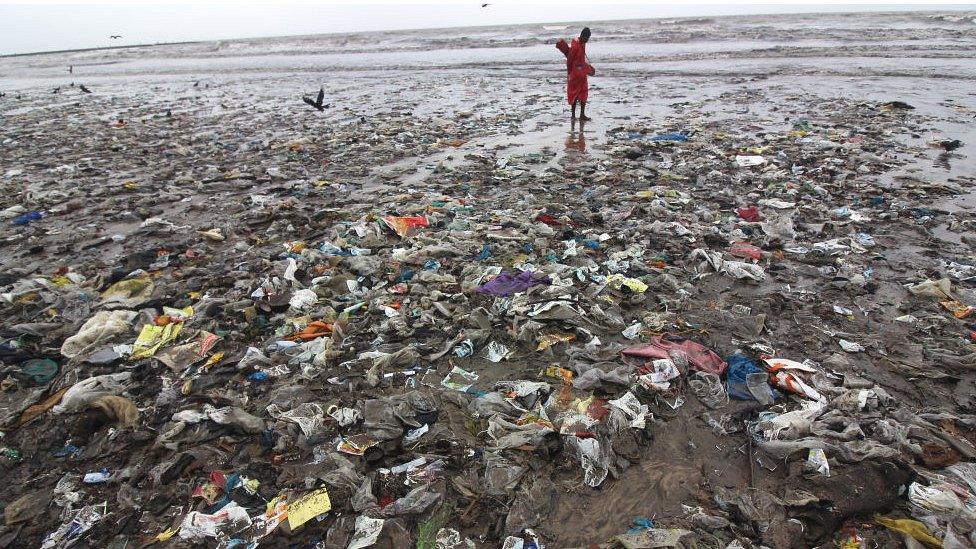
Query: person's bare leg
[(573, 116), (583, 117)]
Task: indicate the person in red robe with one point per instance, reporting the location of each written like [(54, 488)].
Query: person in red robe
[(578, 69)]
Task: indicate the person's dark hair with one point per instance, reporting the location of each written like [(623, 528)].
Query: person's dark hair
[(585, 35)]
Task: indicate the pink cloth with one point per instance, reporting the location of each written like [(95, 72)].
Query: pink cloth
[(699, 356)]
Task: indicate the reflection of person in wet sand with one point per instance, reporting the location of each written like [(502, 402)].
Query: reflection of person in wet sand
[(578, 69), (576, 142)]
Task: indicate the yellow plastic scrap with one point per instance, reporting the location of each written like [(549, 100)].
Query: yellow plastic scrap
[(166, 534), (213, 234), (29, 297), (911, 528), (275, 513), (251, 485), (181, 314), (615, 281), (554, 371), (217, 357), (152, 337), (308, 507), (548, 340)]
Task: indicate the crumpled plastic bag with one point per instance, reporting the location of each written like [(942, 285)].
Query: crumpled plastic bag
[(595, 376), (415, 502), (944, 503), (735, 269), (501, 475), (651, 538), (941, 289), (303, 300), (405, 226), (913, 528), (232, 518), (449, 538), (309, 417), (236, 417), (130, 292), (86, 391), (81, 522), (594, 459), (101, 327), (635, 411), (367, 532), (786, 374), (746, 161), (345, 416)]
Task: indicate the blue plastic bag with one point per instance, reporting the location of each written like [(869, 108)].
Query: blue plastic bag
[(740, 366), (22, 220)]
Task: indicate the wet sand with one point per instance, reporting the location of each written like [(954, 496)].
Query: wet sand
[(227, 112)]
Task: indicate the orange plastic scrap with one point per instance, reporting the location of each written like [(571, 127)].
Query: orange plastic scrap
[(37, 409), (405, 226), (958, 310), (782, 373), (314, 330)]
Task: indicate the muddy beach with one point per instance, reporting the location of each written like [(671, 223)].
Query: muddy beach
[(735, 309)]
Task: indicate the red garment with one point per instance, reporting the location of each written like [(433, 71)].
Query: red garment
[(577, 69)]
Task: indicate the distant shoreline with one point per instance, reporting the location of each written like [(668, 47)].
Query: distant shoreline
[(943, 9)]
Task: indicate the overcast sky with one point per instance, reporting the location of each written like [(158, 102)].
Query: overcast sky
[(44, 26)]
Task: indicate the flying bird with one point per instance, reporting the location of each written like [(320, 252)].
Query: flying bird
[(115, 36), (318, 101), (84, 89), (485, 5)]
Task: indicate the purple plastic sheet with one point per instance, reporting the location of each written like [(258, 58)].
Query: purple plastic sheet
[(506, 284)]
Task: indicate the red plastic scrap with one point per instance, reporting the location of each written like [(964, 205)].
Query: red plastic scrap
[(549, 220), (750, 214), (744, 249)]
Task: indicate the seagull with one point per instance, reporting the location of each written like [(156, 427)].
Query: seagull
[(115, 36), (318, 101), (485, 5), (84, 89)]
